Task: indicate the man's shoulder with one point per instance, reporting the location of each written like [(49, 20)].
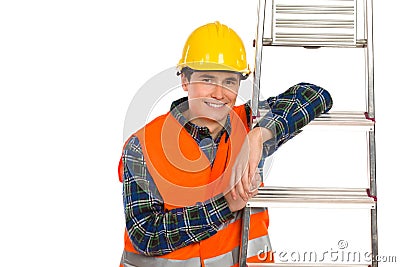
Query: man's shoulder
[(133, 144), (151, 128), (244, 111), (154, 122)]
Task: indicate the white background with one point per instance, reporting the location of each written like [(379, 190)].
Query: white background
[(68, 72)]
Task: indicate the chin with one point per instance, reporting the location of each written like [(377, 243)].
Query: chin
[(220, 118)]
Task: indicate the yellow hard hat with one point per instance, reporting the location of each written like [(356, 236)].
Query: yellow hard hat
[(214, 46)]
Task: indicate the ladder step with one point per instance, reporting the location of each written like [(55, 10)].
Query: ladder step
[(343, 120), (306, 265), (355, 119), (315, 9), (313, 197), (314, 23), (360, 43)]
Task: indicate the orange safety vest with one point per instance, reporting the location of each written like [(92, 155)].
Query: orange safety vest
[(171, 156)]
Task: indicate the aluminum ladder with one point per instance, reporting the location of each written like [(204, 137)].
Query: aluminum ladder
[(315, 24)]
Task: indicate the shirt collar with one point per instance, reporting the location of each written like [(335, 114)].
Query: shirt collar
[(197, 132)]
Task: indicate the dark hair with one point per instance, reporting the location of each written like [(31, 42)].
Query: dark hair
[(187, 72)]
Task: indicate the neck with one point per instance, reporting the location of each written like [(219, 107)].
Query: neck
[(213, 126)]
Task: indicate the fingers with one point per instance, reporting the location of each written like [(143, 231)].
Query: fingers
[(241, 180), (237, 197), (239, 188), (234, 205), (245, 181), (255, 183), (252, 171), (232, 185), (244, 170), (253, 193), (233, 193)]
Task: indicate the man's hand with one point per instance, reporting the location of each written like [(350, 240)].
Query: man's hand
[(239, 203), (245, 168)]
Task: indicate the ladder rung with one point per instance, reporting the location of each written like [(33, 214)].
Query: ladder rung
[(314, 23), (314, 9), (315, 36), (322, 39), (306, 265), (327, 192), (324, 197), (344, 120), (360, 43)]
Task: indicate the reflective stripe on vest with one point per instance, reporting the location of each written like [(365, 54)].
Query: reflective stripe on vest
[(256, 246), (130, 259)]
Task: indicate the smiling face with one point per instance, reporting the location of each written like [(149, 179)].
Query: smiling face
[(211, 94)]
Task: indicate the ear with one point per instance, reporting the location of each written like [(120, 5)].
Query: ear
[(184, 82)]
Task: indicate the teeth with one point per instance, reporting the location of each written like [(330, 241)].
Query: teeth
[(214, 105)]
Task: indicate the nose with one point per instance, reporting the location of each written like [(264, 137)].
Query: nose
[(218, 92)]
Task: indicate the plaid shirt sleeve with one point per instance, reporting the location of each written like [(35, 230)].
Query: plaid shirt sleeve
[(291, 111), (154, 231)]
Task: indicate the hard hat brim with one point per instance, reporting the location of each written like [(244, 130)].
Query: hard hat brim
[(210, 66)]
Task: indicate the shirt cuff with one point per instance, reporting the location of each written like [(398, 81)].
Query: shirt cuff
[(218, 210)]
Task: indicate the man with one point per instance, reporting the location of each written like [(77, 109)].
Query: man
[(188, 174)]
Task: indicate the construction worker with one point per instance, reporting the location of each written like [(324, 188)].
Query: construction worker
[(188, 174)]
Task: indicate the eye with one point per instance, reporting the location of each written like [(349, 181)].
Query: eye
[(206, 80), (230, 83)]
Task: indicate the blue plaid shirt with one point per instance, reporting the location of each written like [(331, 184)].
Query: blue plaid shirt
[(154, 231)]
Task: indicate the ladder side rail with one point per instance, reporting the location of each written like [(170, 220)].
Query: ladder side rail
[(245, 236), (254, 108), (373, 193), (369, 62), (258, 57), (369, 50)]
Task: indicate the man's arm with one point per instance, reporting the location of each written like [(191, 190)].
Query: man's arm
[(289, 112), (292, 110), (154, 231)]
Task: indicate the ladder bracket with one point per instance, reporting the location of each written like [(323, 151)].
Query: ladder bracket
[(368, 117), (371, 196)]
